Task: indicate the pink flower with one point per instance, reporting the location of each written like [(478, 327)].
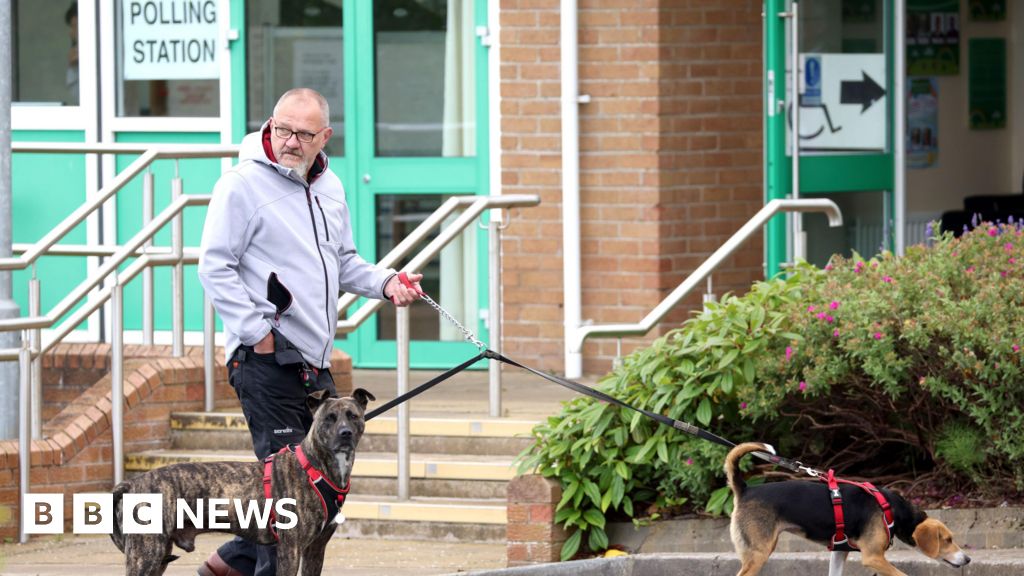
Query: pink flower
[(858, 267), (833, 305), (689, 461), (789, 353), (1003, 273), (1008, 246), (874, 265), (878, 336), (828, 267), (970, 270), (821, 315), (810, 308), (802, 386), (835, 333), (829, 319), (1015, 348), (1013, 260), (993, 231), (743, 405), (887, 279)]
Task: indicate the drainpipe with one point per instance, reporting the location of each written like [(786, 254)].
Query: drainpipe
[(8, 308), (571, 186), (899, 129)]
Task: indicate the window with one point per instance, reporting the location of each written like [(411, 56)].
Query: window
[(45, 59), (167, 58), (296, 43)]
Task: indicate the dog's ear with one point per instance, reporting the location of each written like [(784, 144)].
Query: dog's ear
[(314, 400), (362, 396), (927, 537)]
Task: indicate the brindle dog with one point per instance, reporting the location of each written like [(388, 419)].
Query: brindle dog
[(330, 446)]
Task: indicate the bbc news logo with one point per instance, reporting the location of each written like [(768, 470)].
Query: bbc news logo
[(144, 513)]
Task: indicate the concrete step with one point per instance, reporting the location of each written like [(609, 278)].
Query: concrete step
[(434, 519), (431, 475), (458, 435)]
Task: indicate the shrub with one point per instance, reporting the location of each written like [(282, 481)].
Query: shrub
[(864, 367)]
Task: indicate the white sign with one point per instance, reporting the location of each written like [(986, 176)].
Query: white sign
[(169, 39), (843, 103)]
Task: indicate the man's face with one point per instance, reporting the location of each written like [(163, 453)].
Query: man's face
[(303, 118)]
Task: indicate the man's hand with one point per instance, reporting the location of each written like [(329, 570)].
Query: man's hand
[(400, 294), (265, 346)]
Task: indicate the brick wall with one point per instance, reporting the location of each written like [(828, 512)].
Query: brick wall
[(533, 537), (75, 454), (669, 159)]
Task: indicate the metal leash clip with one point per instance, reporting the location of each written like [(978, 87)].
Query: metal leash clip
[(472, 339)]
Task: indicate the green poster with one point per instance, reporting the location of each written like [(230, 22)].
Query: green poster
[(987, 83), (988, 10), (933, 37)]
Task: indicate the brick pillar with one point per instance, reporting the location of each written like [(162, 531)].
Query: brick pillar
[(533, 537)]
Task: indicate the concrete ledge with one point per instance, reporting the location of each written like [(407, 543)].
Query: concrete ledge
[(985, 563)]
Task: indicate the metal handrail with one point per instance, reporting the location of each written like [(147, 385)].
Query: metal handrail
[(475, 205), (753, 226), (149, 154)]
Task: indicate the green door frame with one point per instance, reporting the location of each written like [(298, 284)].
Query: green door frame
[(821, 173), (396, 175)]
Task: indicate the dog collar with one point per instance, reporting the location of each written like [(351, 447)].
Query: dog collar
[(332, 498)]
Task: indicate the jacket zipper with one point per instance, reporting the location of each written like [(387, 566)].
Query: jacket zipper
[(323, 263), (327, 233)]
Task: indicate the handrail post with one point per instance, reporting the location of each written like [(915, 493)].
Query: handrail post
[(177, 273), (24, 440), (117, 376), (36, 366), (147, 274), (494, 313), (209, 332), (402, 365)]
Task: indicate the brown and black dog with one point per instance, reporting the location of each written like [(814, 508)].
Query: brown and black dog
[(762, 512), (330, 446)]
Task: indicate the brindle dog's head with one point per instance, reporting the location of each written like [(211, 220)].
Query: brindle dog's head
[(337, 422)]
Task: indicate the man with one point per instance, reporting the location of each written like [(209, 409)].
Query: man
[(276, 251)]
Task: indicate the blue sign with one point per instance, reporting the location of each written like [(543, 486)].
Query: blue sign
[(812, 81)]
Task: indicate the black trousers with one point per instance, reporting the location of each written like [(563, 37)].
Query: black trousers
[(273, 398)]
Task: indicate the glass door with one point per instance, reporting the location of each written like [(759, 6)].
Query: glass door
[(418, 137), (842, 52)]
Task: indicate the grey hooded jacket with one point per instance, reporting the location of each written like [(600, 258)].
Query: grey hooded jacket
[(276, 253)]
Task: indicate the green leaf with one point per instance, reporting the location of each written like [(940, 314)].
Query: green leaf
[(622, 470), (791, 336), (663, 452), (606, 500), (572, 545), (594, 517), (568, 493), (618, 489), (593, 491), (598, 540), (748, 371), (704, 412), (728, 358)]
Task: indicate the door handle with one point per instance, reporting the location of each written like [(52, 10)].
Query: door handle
[(367, 178)]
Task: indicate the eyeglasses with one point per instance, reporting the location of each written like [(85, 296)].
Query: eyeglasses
[(305, 137)]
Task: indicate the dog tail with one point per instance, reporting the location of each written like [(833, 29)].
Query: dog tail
[(116, 535), (732, 465)]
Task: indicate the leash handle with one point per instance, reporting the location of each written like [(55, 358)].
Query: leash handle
[(404, 279)]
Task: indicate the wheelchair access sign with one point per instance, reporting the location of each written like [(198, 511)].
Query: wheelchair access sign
[(843, 104)]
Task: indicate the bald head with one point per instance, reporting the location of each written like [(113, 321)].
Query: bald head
[(305, 96)]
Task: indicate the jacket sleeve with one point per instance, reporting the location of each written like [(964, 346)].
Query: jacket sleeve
[(226, 235), (355, 274)]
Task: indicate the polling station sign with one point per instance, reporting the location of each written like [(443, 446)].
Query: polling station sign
[(169, 39)]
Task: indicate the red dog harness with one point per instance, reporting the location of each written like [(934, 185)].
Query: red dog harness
[(840, 542), (332, 498)]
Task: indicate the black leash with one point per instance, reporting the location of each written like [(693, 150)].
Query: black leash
[(423, 387), (489, 354)]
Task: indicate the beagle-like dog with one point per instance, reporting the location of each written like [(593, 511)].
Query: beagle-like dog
[(762, 512)]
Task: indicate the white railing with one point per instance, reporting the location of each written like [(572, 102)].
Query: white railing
[(753, 226)]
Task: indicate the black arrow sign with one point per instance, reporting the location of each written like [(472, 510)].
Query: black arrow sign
[(864, 92)]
